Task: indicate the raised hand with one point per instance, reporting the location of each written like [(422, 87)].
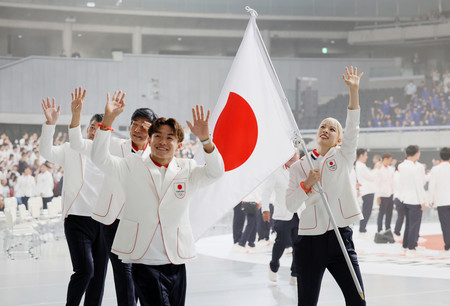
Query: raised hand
[(51, 112), (77, 101), (200, 127), (351, 77), (115, 105)]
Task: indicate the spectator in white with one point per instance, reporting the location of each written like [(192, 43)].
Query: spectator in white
[(440, 195), (412, 177), (25, 186), (366, 177), (410, 89), (45, 184), (385, 191), (23, 140), (4, 192), (285, 222)]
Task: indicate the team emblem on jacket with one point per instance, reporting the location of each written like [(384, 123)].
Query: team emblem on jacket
[(179, 189), (332, 164)]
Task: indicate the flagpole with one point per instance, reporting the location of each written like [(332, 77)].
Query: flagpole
[(299, 142)]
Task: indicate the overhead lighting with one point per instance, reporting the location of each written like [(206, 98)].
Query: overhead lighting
[(332, 42), (20, 36), (90, 4), (324, 50), (179, 39), (79, 34)]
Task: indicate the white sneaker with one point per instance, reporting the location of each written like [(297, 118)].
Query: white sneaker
[(263, 243), (273, 277), (293, 281), (422, 240), (239, 248)]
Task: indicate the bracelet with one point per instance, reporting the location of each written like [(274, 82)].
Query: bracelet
[(205, 142), (102, 126), (302, 184)]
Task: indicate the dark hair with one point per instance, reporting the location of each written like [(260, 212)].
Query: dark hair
[(445, 153), (386, 155), (360, 152), (173, 123), (96, 117), (411, 150), (144, 113)]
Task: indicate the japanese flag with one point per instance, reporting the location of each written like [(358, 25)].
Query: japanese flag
[(252, 129)]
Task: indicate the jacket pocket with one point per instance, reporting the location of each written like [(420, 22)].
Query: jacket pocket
[(185, 243), (126, 236)]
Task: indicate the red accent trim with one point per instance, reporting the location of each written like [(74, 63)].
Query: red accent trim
[(157, 164), (178, 251), (315, 216), (135, 241), (136, 148), (150, 242), (340, 206), (316, 154), (79, 190), (302, 184), (102, 126), (109, 206)]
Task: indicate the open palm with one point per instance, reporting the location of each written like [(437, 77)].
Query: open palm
[(200, 127), (51, 112), (351, 77)]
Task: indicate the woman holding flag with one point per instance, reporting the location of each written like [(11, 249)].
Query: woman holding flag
[(317, 247)]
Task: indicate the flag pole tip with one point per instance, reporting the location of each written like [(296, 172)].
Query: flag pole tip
[(362, 296), (251, 11)]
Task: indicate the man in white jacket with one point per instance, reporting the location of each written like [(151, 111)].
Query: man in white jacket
[(440, 195), (154, 233), (111, 198), (366, 178), (412, 177), (44, 185), (84, 235), (285, 222)]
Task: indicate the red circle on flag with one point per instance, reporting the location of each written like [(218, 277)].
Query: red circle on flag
[(179, 186), (331, 163), (236, 132)]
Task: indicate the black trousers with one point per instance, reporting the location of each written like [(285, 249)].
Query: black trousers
[(412, 226), (163, 285), (123, 279), (89, 258), (400, 207), (444, 219), (287, 232), (25, 201), (238, 222), (314, 254), (262, 227), (386, 209), (249, 234), (366, 211), (45, 201)]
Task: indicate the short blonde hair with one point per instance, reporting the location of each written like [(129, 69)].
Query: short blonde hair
[(336, 123)]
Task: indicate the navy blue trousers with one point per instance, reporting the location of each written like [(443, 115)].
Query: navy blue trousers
[(89, 258), (287, 232), (262, 227), (314, 254), (163, 285), (366, 211), (400, 207), (386, 209), (123, 279), (238, 222), (444, 219), (412, 225)]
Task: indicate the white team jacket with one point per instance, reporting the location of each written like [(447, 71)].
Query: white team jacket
[(72, 162), (335, 171), (412, 177), (112, 196), (149, 202), (439, 184)]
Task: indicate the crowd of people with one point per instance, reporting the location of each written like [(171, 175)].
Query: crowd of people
[(419, 106), (24, 173)]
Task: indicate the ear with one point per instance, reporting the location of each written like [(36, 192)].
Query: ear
[(339, 141)]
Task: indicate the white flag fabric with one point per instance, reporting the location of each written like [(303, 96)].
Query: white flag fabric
[(252, 129)]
